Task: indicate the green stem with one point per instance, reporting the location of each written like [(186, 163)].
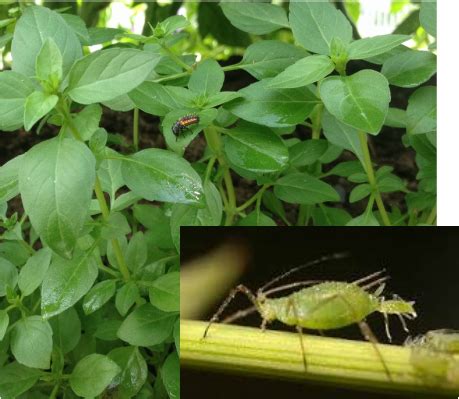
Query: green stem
[(254, 198), (317, 121), (372, 178), (432, 216), (55, 390), (135, 130), (249, 351), (177, 59), (209, 168), (231, 197)]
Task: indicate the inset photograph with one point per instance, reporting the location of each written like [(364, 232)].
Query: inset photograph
[(344, 312)]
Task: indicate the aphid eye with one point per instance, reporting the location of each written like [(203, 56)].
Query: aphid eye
[(184, 123)]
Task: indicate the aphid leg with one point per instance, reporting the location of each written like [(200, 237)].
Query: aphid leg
[(369, 277), (299, 329), (239, 315), (226, 302), (300, 332), (370, 337), (386, 326)]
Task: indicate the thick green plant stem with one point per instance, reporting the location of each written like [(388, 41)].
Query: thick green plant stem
[(372, 179), (275, 354)]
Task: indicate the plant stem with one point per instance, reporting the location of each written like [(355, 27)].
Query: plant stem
[(177, 59), (254, 198), (249, 351), (316, 118), (372, 179), (135, 130), (231, 197)]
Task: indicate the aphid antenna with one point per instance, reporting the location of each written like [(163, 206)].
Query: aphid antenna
[(322, 259), (376, 283), (369, 277)]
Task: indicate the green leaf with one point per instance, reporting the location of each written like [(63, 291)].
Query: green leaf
[(314, 25), (421, 112), (410, 69), (87, 121), (274, 205), (16, 379), (189, 215), (134, 370), (107, 74), (66, 330), (307, 152), (66, 281), (33, 28), (147, 326), (14, 89), (37, 105), (373, 46), (48, 65), (207, 78), (116, 226), (170, 373), (4, 322), (255, 18), (328, 216), (390, 184), (5, 39), (9, 179), (126, 297), (366, 219), (268, 58), (257, 219), (98, 296), (160, 175), (109, 174), (303, 72), (8, 275), (56, 182), (255, 148), (220, 98), (32, 342), (155, 219), (396, 118), (33, 272), (342, 135), (428, 16), (156, 99), (359, 192), (360, 100), (273, 107), (78, 26), (92, 375), (211, 20), (177, 335), (165, 292), (300, 188), (137, 252)]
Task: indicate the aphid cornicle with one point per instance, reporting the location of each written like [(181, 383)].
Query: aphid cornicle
[(184, 123), (323, 305)]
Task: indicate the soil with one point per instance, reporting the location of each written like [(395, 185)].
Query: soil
[(386, 147)]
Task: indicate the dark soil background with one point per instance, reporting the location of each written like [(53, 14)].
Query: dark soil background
[(422, 263), (386, 148)]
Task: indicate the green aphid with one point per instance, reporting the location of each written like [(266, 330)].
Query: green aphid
[(323, 305)]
